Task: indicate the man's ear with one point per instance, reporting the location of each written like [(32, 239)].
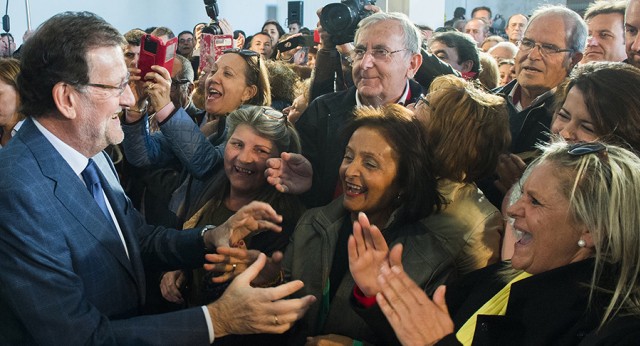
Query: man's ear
[(466, 66), (414, 65), (575, 59), (66, 99)]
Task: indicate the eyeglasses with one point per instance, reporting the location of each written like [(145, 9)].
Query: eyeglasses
[(422, 100), (379, 54), (581, 149), (526, 45), (121, 88), (177, 83)]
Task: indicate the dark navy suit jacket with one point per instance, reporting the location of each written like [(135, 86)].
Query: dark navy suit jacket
[(65, 278)]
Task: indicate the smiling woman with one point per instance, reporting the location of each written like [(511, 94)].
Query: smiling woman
[(255, 135), (387, 174), (573, 277)]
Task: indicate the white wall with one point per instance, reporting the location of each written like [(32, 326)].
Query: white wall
[(248, 15), (178, 15)]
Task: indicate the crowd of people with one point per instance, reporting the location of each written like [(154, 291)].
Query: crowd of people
[(414, 186)]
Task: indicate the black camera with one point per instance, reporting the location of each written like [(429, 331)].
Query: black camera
[(341, 19), (212, 11)]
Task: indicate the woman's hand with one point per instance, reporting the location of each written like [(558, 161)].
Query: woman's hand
[(226, 257), (416, 319), (368, 252), (170, 286), (510, 168), (158, 87), (329, 340), (290, 173), (253, 217)]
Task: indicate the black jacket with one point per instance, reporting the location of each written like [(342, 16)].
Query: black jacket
[(536, 125)]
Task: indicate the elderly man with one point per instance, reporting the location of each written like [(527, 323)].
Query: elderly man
[(632, 27), (186, 44), (73, 248), (552, 45), (385, 58), (605, 22), (503, 50), (478, 28), (515, 27)]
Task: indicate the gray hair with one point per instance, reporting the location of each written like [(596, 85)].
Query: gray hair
[(185, 73), (508, 45), (576, 27), (412, 35), (273, 126)]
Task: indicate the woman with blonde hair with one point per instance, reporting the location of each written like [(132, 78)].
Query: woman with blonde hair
[(573, 278)]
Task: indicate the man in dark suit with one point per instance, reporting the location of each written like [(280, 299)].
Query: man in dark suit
[(71, 258)]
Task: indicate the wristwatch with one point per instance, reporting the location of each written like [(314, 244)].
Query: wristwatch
[(204, 230)]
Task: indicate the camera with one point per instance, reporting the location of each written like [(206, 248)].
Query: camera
[(341, 19), (212, 11)]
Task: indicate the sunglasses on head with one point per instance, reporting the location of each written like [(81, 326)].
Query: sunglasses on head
[(243, 52), (580, 149)]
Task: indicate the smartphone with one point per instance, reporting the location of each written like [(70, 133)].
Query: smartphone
[(153, 51), (211, 47), (297, 41)]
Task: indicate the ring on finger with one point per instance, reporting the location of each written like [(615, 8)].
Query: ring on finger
[(233, 267), (275, 320), (151, 86)]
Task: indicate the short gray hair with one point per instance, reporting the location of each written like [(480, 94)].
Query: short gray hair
[(412, 35), (577, 28)]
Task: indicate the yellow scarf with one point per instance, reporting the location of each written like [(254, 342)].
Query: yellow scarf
[(495, 306)]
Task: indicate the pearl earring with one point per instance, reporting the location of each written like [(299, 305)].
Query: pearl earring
[(582, 243)]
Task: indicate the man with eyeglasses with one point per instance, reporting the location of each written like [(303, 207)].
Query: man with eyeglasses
[(186, 43), (73, 250), (552, 45), (385, 59)]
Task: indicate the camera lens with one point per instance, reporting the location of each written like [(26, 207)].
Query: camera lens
[(336, 18)]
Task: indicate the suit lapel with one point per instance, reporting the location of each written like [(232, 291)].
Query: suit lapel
[(73, 194), (122, 209)]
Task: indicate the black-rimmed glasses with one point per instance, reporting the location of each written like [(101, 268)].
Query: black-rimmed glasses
[(422, 100), (176, 83), (121, 88)]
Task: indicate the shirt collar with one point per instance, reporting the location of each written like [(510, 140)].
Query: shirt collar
[(514, 97), (77, 161), (403, 100)]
